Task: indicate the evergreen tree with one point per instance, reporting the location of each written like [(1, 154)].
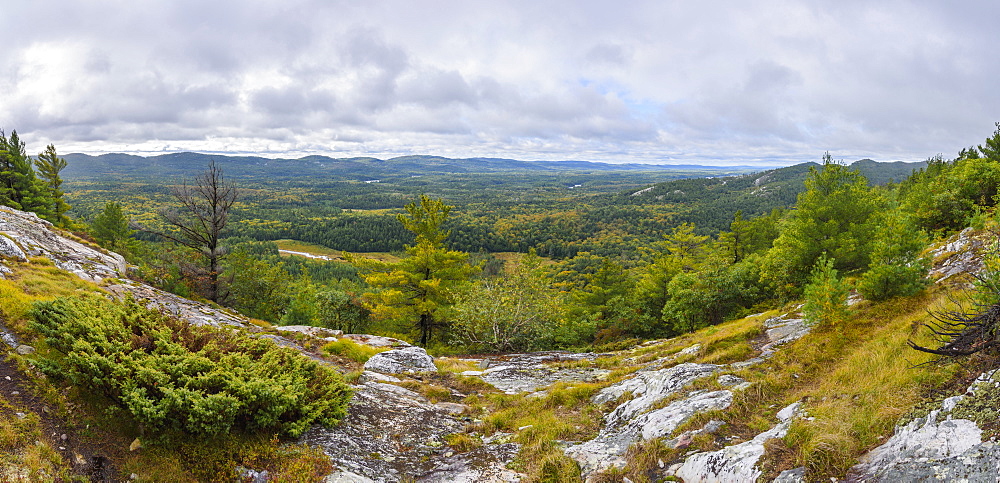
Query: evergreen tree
[(19, 187), (897, 268), (837, 215), (49, 165), (826, 295), (417, 288), (991, 150), (111, 228)]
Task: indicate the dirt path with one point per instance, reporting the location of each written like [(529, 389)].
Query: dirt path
[(85, 456)]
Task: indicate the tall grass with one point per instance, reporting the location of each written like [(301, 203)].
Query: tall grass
[(861, 383), (348, 349), (564, 413)]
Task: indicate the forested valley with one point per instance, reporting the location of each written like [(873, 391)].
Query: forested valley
[(572, 259)]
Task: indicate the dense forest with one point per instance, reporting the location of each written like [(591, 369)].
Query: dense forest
[(596, 266)]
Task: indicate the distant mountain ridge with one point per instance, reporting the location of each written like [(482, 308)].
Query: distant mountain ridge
[(754, 194), (360, 168)]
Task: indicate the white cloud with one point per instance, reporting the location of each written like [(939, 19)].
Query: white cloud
[(649, 81)]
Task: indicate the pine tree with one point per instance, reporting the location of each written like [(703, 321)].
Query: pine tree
[(111, 228), (19, 188), (49, 165), (826, 295), (837, 215), (417, 288), (991, 150)]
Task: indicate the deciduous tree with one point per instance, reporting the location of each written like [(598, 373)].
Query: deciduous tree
[(507, 313)]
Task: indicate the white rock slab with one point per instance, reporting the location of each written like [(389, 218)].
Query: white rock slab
[(737, 462), (400, 361)]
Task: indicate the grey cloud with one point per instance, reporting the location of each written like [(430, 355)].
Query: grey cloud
[(365, 48), (612, 54), (434, 87), (760, 104), (292, 101)]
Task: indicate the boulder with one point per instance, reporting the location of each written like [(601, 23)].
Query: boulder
[(25, 350), (737, 462), (937, 446), (400, 361)]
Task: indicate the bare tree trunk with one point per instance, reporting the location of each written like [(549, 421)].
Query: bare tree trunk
[(201, 219)]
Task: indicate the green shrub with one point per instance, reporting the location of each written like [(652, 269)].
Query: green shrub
[(883, 282), (171, 375)]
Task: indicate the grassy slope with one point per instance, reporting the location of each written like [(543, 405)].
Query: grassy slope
[(857, 381)]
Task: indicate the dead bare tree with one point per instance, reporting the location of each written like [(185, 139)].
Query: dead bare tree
[(201, 219), (972, 327), (963, 332)]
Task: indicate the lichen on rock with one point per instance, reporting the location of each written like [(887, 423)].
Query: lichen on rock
[(400, 361), (945, 444)]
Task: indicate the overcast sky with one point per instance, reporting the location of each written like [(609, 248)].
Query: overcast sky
[(707, 82)]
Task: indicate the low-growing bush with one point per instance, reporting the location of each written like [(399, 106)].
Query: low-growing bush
[(170, 375)]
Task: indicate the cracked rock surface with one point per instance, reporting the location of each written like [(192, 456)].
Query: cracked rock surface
[(392, 434), (515, 373), (937, 446), (737, 462)]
